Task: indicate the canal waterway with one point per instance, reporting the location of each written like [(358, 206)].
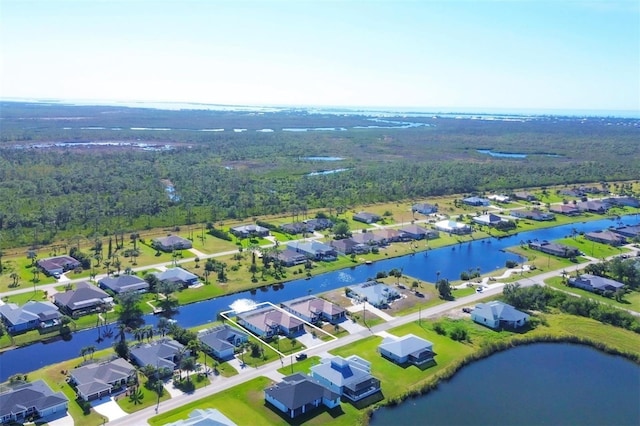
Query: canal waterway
[(539, 384), (486, 255)]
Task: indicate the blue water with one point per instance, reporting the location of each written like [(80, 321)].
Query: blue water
[(323, 158), (487, 255), (326, 172), (540, 384), (501, 154)]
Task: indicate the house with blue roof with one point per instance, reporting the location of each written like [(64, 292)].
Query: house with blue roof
[(32, 315), (409, 349), (350, 377), (177, 276), (595, 283), (375, 293), (123, 284), (162, 354), (476, 201), (222, 341), (30, 399), (314, 250), (496, 314)]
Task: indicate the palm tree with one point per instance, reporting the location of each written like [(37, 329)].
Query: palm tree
[(15, 278), (136, 396), (188, 364), (163, 326)]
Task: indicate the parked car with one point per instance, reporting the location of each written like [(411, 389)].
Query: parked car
[(301, 356)]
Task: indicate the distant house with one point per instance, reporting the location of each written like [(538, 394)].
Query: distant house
[(85, 299), (299, 394), (560, 250), (269, 322), (453, 227), (497, 314), (565, 209), (416, 232), (171, 243), (32, 315), (476, 201), (592, 206), (409, 349), (246, 231), (424, 208), (388, 235), (349, 246), (159, 354), (314, 250), (533, 214), (628, 231), (314, 309), (177, 276), (375, 293), (350, 377), (369, 238), (525, 196), (606, 237), (204, 417), (93, 381), (595, 283), (123, 284), (35, 398), (222, 341), (622, 201), (499, 198), (366, 217), (488, 219), (296, 228), (54, 266), (291, 257), (318, 224)]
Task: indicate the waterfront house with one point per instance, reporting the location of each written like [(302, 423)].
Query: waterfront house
[(348, 246), (595, 283), (622, 201), (314, 250), (565, 209), (628, 231), (606, 237), (162, 354), (416, 232), (476, 201), (290, 257), (488, 219), (409, 349), (93, 381), (592, 206), (123, 284), (369, 238), (350, 377), (246, 231), (555, 249), (533, 214), (366, 217), (388, 235), (298, 394), (55, 266), (171, 243), (85, 299), (424, 208), (375, 293), (204, 417), (496, 314), (31, 316), (453, 227), (36, 399), (269, 322), (222, 341), (177, 276), (314, 309)]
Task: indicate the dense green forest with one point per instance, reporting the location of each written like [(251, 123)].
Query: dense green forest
[(54, 183)]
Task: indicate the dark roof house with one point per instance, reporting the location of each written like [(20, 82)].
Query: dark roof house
[(476, 201), (416, 232), (222, 341), (58, 265), (93, 381), (349, 246), (83, 300), (595, 283), (246, 231), (160, 354), (424, 208), (177, 276), (366, 217), (299, 394), (606, 237), (124, 283), (35, 398), (560, 250), (170, 243)]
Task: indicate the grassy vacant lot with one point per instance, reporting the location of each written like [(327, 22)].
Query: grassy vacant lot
[(630, 301), (591, 248), (542, 261)]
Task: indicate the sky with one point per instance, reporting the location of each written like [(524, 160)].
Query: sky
[(481, 54)]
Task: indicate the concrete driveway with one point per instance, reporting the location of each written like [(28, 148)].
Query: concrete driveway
[(108, 407)]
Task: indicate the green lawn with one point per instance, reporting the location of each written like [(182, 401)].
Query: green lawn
[(591, 248), (22, 298), (147, 398), (630, 301), (543, 262)]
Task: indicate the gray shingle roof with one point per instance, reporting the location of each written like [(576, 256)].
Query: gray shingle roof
[(36, 394), (406, 345), (124, 283), (298, 390), (30, 311), (85, 295)]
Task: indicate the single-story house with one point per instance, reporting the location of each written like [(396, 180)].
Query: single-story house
[(318, 223), (314, 309), (270, 321), (497, 314), (366, 217), (35, 398), (416, 232), (593, 206), (409, 349), (170, 243), (555, 249), (565, 209), (525, 196), (93, 381), (500, 198), (368, 238), (204, 417), (388, 235), (622, 201), (453, 227), (54, 266), (178, 276), (349, 246), (606, 237), (314, 250), (298, 394), (628, 231), (222, 341), (296, 228), (159, 354), (290, 257), (595, 283), (373, 292), (533, 214), (424, 208), (246, 231), (488, 219), (85, 299), (123, 284), (476, 201), (32, 315), (350, 377)]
